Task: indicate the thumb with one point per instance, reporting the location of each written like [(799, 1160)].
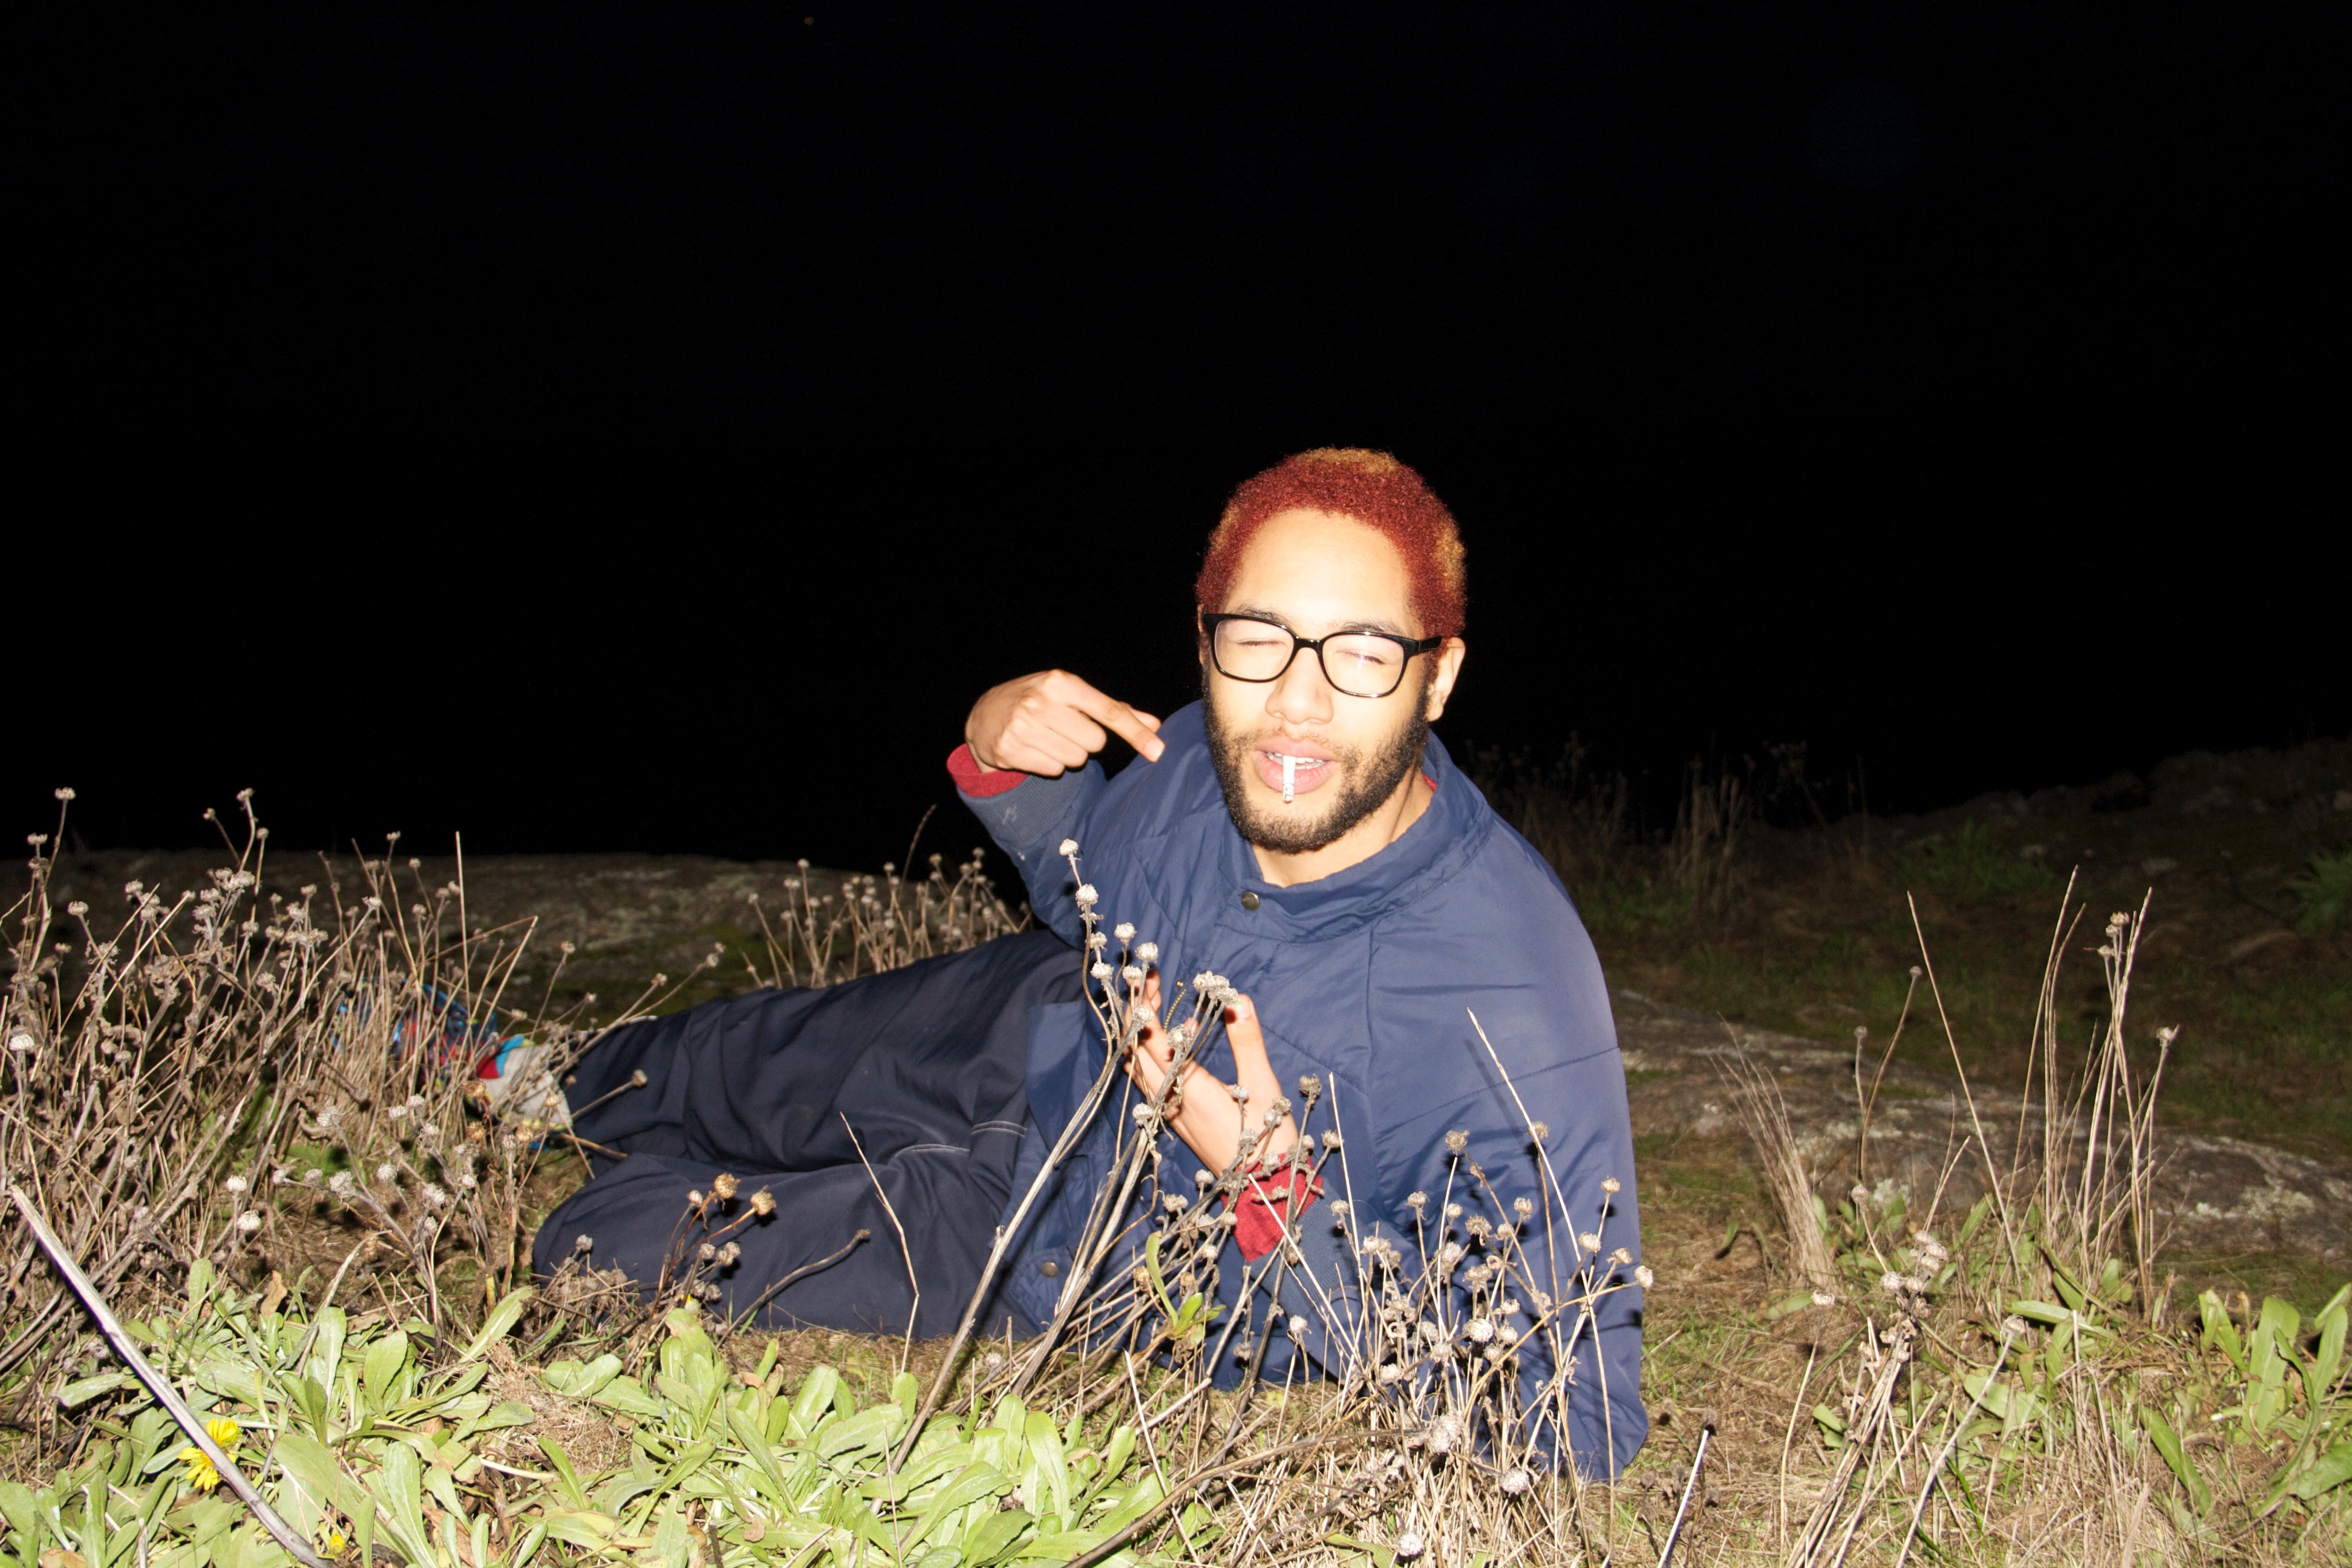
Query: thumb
[(1242, 1029)]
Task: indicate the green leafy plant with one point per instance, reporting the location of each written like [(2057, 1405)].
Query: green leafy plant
[(1971, 864), (2326, 894)]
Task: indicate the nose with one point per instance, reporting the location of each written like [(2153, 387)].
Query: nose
[(1301, 696)]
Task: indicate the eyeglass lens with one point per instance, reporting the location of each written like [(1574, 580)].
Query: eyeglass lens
[(1358, 664)]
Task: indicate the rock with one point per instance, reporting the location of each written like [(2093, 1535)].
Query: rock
[(2214, 1195)]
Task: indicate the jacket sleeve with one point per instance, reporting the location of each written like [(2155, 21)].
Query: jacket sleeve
[(1029, 823)]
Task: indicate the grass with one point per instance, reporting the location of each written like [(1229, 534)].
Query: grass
[(2023, 1381), (1809, 929)]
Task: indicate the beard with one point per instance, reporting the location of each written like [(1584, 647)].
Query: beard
[(1367, 778)]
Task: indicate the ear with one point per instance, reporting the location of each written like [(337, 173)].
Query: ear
[(1449, 671)]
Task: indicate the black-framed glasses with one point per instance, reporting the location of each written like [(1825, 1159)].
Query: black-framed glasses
[(1359, 664)]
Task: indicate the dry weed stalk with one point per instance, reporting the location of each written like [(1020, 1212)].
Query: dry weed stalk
[(1764, 1113)]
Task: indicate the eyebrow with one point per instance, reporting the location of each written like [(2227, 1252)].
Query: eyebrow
[(1375, 624)]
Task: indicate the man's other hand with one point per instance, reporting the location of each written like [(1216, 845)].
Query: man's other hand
[(1049, 723), (1202, 1111)]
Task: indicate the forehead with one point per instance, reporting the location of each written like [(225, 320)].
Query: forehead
[(1319, 569)]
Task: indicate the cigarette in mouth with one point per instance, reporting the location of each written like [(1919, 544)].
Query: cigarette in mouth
[(1289, 777)]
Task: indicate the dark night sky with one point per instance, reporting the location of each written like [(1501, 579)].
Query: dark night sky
[(617, 427)]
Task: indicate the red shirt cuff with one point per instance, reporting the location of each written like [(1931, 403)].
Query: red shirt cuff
[(976, 781), (1267, 1206)]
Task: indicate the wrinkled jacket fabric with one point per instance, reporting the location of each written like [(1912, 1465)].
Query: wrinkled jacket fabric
[(1369, 979)]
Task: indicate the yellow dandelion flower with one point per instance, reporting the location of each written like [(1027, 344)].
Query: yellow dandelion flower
[(201, 1476)]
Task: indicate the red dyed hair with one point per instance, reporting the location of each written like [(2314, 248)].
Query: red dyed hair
[(1373, 489)]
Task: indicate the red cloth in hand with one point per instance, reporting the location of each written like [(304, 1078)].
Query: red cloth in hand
[(976, 781), (1266, 1204)]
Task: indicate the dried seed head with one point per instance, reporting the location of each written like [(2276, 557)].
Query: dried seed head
[(1416, 1201), (1070, 848), (722, 1185), (707, 1252), (1523, 1207), (583, 1243), (637, 1079), (1087, 898), (1410, 1546), (1611, 1186), (234, 1184), (1101, 971), (763, 1202), (1124, 930), (1456, 1142), (386, 1172), (1588, 1241), (1642, 1277), (1515, 1482), (694, 1197), (248, 1222)]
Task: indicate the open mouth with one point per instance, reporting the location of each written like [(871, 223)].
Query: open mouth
[(1291, 772)]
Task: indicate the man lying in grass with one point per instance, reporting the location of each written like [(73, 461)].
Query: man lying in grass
[(1298, 831)]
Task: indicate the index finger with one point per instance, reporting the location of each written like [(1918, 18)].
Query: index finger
[(1133, 725)]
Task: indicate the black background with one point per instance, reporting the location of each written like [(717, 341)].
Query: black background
[(618, 428)]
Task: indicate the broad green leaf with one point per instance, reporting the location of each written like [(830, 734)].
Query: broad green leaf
[(582, 1528), (1788, 1304), (310, 1464), (976, 1482), (88, 1388), (327, 1348), (907, 1393), (2220, 1333), (629, 1397), (500, 1322), (380, 1370), (582, 1381), (572, 1493), (993, 1536), (532, 1540), (866, 1429), (2167, 1443), (400, 1489), (1993, 1396), (817, 1392), (2331, 1469), (1050, 1496)]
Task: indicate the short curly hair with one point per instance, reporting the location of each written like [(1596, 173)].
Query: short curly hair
[(1373, 489)]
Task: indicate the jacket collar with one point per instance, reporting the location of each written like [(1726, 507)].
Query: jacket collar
[(1456, 823)]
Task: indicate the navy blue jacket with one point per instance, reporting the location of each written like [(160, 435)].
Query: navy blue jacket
[(1368, 978)]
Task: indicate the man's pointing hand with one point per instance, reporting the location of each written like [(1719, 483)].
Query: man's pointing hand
[(1046, 724)]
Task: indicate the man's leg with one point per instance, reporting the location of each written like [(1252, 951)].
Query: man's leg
[(947, 1201), (919, 1055), (926, 1063)]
